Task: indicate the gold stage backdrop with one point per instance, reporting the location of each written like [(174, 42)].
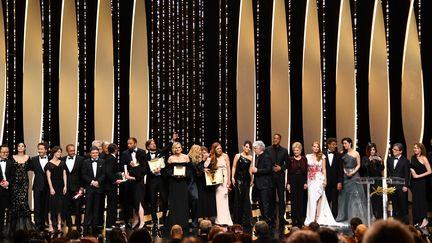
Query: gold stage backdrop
[(137, 82)]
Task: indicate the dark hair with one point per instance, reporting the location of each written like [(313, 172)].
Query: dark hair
[(388, 231), (328, 235), (4, 146), (92, 148), (68, 146), (349, 140), (331, 140), (314, 226), (369, 147), (117, 235), (133, 139), (261, 228), (45, 144), (204, 148), (226, 237), (248, 142), (354, 222), (399, 146), (277, 134), (140, 236), (55, 149), (112, 148)]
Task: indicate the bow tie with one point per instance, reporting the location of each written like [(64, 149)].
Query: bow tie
[(43, 157), (152, 152), (2, 161), (330, 152), (396, 159), (69, 157), (133, 151), (94, 161)]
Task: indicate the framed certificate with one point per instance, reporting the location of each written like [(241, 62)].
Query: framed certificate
[(156, 163), (214, 177), (179, 171)]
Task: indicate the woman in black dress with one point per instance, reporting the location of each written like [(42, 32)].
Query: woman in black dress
[(373, 166), (420, 169), (297, 184), (206, 194), (135, 175), (241, 180), (195, 157), (178, 187), (20, 215), (56, 176)]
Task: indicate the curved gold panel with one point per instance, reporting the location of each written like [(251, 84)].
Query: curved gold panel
[(104, 74), (412, 85), (246, 84), (279, 75), (2, 73), (346, 104), (68, 75), (312, 87), (139, 76), (379, 94), (32, 76)]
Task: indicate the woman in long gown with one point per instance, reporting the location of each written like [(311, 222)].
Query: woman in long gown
[(135, 175), (373, 166), (206, 194), (178, 187), (195, 157), (241, 180), (317, 209), (20, 215), (420, 169), (56, 176), (220, 160), (297, 184), (352, 199)]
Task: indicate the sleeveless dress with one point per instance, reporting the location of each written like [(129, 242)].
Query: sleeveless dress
[(418, 189), (352, 200), (206, 194), (56, 201), (178, 198), (242, 206), (222, 203), (20, 218), (315, 179)]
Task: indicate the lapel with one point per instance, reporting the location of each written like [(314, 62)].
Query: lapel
[(39, 164)]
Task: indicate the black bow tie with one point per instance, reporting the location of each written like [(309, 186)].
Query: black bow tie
[(70, 157), (331, 152), (152, 152), (94, 161), (133, 151), (2, 160), (43, 157)]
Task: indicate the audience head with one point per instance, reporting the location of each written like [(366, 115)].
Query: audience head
[(214, 231), (191, 239), (205, 226), (176, 232), (226, 237), (328, 235), (360, 231), (303, 236), (261, 229), (354, 222), (117, 235), (388, 231), (74, 235), (140, 236), (244, 238), (314, 226)]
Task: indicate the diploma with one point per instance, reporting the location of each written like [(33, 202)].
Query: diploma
[(156, 163), (179, 171), (214, 177)]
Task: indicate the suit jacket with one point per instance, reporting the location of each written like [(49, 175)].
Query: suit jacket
[(111, 170), (10, 176), (160, 153), (279, 156), (88, 176), (263, 176), (74, 180), (126, 158), (334, 173), (402, 169), (40, 182)]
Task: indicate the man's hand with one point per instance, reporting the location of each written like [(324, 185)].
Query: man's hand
[(276, 168), (253, 169), (404, 189), (339, 186), (4, 184)]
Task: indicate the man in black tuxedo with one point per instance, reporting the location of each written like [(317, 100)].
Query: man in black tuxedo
[(157, 179), (40, 185), (399, 166), (110, 184), (334, 175), (6, 179), (262, 171), (279, 157), (133, 153), (75, 188), (93, 175)]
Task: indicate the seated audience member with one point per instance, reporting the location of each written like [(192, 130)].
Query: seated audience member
[(354, 222), (244, 238), (140, 236), (176, 233), (118, 236), (226, 237), (204, 230), (328, 235), (388, 231), (263, 233), (214, 231), (359, 232), (191, 239), (314, 226), (303, 236), (74, 235)]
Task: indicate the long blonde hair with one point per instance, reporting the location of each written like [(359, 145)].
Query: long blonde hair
[(195, 153)]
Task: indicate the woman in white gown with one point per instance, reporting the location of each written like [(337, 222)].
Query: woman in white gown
[(318, 209)]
